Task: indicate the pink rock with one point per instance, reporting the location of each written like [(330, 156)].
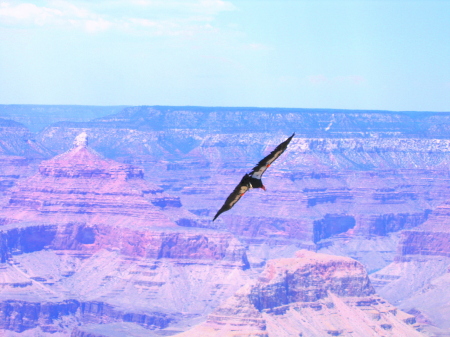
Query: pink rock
[(81, 186), (309, 295)]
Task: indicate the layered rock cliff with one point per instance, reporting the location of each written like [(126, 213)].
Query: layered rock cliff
[(126, 287), (17, 140), (368, 173), (19, 153), (418, 280), (59, 317), (87, 240), (81, 186), (310, 295), (352, 183), (37, 117)]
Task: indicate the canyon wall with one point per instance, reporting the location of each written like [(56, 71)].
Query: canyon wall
[(309, 295), (86, 240), (419, 278), (124, 220), (362, 176)]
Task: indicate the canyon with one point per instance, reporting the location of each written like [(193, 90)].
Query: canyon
[(113, 232), (310, 294)]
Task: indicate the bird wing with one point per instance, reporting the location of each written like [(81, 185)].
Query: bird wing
[(234, 197), (264, 163)]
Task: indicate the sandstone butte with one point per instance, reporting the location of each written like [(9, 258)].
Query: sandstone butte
[(88, 240), (311, 294), (89, 248), (79, 185)]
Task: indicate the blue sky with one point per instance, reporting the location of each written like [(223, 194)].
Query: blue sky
[(367, 54)]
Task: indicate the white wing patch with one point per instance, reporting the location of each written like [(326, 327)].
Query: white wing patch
[(258, 174), (235, 197)]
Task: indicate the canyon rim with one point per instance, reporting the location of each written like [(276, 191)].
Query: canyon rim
[(112, 234)]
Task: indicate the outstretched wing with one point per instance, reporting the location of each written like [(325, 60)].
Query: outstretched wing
[(234, 197), (262, 166)]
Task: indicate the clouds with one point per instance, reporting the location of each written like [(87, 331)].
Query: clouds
[(155, 17), (340, 54), (53, 14), (27, 13)]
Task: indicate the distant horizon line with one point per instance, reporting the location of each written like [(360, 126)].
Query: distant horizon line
[(223, 107)]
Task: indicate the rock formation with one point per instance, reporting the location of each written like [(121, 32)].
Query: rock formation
[(365, 173), (17, 140), (419, 278), (370, 185), (87, 240), (81, 186), (309, 295), (37, 117), (19, 153)]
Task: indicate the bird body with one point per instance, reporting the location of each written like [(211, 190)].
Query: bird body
[(253, 179)]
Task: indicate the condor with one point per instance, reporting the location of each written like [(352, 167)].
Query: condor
[(253, 179)]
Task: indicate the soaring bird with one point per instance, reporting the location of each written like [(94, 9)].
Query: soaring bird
[(253, 179)]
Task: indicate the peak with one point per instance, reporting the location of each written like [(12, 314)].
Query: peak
[(81, 155), (83, 161), (81, 140), (307, 257), (308, 260)]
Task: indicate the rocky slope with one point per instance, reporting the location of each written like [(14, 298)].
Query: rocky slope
[(81, 186), (359, 176), (87, 240), (17, 140), (371, 185), (309, 295), (19, 153), (419, 278)]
